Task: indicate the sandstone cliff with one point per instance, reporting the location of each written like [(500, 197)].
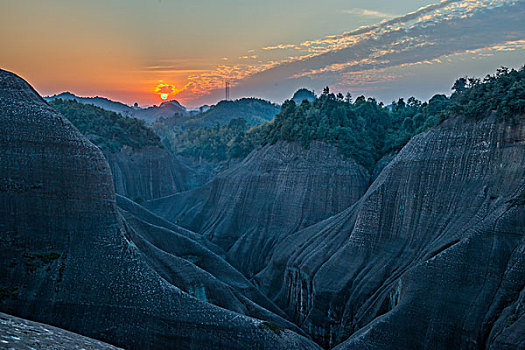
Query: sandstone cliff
[(70, 258), (432, 256), (148, 173), (275, 191)]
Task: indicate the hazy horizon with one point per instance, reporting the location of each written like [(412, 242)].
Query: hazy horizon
[(134, 51)]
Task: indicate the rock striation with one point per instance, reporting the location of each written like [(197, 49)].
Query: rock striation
[(148, 173), (431, 257), (70, 258), (20, 334), (277, 190)]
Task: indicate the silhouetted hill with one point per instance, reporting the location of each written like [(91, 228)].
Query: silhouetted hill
[(303, 94), (102, 102), (166, 109)]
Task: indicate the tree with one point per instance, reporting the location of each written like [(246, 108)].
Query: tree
[(348, 97), (460, 85)]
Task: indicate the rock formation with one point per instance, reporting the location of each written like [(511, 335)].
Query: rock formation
[(432, 256), (148, 173), (429, 256), (275, 191), (68, 256), (17, 333)]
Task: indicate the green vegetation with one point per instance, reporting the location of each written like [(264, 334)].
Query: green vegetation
[(108, 130), (362, 130), (503, 92), (217, 134), (215, 144), (272, 327), (254, 110)]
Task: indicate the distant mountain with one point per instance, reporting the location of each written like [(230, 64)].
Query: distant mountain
[(166, 110), (101, 102), (303, 94), (149, 115), (254, 110)]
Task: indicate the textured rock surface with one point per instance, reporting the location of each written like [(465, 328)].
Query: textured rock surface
[(275, 191), (195, 265), (432, 256), (17, 333), (69, 258), (148, 173)]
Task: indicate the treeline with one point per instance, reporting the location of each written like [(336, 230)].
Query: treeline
[(217, 143), (363, 130), (503, 92), (254, 110), (108, 130)]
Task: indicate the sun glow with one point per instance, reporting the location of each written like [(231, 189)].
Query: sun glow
[(164, 90)]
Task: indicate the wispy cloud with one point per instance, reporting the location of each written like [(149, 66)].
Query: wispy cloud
[(439, 30), (280, 47), (368, 13)]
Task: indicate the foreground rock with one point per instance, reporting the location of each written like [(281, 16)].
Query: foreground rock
[(20, 334), (69, 258), (275, 191), (432, 256)]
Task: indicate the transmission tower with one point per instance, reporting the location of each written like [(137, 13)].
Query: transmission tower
[(227, 91)]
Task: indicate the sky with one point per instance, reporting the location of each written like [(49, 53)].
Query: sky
[(146, 50)]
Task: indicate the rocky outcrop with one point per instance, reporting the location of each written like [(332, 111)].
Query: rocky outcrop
[(148, 173), (275, 191), (70, 258), (432, 256), (17, 333)]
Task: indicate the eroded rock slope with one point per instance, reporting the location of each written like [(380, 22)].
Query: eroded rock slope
[(148, 173), (275, 191), (70, 258), (432, 256)]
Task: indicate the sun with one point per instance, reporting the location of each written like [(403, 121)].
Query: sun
[(165, 90)]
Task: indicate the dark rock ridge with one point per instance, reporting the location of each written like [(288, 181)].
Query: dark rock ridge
[(150, 172), (69, 257), (275, 191), (18, 333), (432, 256)]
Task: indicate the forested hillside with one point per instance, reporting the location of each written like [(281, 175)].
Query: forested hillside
[(364, 129), (108, 130)]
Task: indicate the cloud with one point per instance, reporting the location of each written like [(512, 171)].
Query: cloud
[(444, 29), (165, 89), (368, 13), (280, 47)]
